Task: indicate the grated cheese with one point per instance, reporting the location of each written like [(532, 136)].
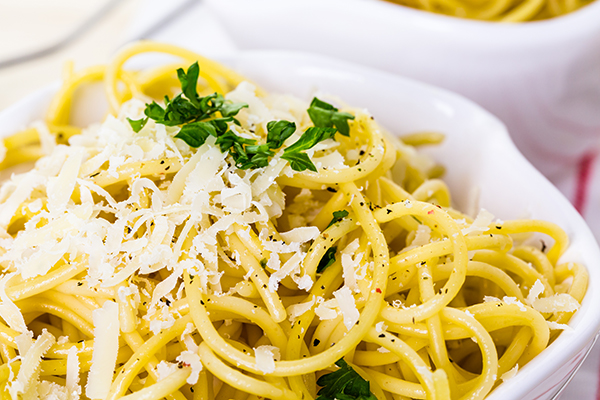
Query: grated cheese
[(266, 357), (422, 237), (350, 265), (511, 373), (561, 302), (347, 306), (380, 327), (481, 224), (534, 293), (72, 378), (164, 369), (106, 346), (556, 325), (52, 391), (327, 310), (191, 359), (27, 379)]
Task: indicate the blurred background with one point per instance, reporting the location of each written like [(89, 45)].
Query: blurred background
[(37, 37)]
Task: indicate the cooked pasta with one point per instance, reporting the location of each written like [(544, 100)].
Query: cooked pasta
[(498, 10), (233, 244)]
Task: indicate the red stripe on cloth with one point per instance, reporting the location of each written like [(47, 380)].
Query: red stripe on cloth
[(582, 183)]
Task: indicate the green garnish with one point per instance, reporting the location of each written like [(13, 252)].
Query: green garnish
[(344, 384), (300, 161), (263, 263), (201, 117), (327, 260), (325, 115), (189, 109), (337, 217), (278, 132), (137, 124)]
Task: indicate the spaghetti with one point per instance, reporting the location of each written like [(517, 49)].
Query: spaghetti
[(498, 10), (153, 264)]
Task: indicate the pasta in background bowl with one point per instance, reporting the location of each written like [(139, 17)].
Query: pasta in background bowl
[(483, 170), (539, 78)]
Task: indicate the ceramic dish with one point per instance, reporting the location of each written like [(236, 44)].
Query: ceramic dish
[(478, 153)]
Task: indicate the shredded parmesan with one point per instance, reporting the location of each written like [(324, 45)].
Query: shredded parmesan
[(191, 359), (511, 373), (266, 357), (347, 306), (481, 223), (561, 302), (534, 293), (350, 265), (106, 346), (27, 378), (72, 384)]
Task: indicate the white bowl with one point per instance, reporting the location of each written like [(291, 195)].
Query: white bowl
[(540, 78), (478, 153)]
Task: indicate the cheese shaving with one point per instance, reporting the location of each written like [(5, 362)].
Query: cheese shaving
[(347, 306), (481, 224), (27, 378), (511, 373), (266, 357), (106, 346), (561, 302)]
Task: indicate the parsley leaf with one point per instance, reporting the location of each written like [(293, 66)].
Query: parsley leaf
[(189, 82), (229, 109), (310, 138), (137, 124), (299, 161), (226, 140), (155, 112), (325, 115), (258, 156), (195, 133), (189, 107), (278, 132), (327, 260), (337, 217), (344, 384)]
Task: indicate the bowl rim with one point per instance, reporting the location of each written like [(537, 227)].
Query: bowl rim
[(582, 22)]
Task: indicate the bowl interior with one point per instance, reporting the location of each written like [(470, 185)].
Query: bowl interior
[(478, 155)]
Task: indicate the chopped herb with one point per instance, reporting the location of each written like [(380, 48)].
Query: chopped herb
[(227, 140), (416, 219), (137, 124), (191, 108), (325, 115), (278, 132), (199, 118), (327, 260), (300, 161), (338, 216), (344, 384), (310, 138), (263, 263)]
